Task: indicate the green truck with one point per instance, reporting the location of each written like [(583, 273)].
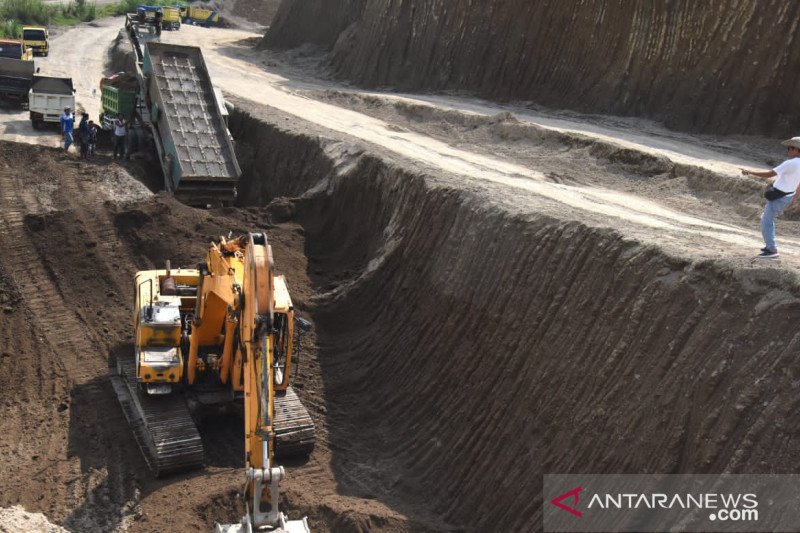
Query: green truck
[(117, 95)]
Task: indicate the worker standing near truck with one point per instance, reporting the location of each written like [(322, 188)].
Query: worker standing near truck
[(67, 125), (92, 138), (120, 134), (83, 135)]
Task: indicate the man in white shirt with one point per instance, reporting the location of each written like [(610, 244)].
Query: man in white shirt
[(120, 132), (780, 196)]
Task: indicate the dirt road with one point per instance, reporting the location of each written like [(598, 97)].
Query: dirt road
[(77, 54)]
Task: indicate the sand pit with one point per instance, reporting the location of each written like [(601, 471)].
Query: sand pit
[(494, 298)]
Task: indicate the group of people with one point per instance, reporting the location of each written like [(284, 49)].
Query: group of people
[(87, 134)]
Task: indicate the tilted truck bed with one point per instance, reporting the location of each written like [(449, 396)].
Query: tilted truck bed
[(197, 153)]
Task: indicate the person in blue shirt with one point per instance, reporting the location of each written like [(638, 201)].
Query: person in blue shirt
[(67, 125)]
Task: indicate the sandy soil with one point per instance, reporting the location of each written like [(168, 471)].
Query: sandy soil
[(82, 230), (17, 519)]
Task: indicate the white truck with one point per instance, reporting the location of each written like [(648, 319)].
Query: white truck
[(47, 99)]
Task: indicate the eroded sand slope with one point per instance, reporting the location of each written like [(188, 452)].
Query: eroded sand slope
[(716, 66)]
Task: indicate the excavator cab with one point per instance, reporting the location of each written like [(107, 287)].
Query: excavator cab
[(159, 316), (158, 356)]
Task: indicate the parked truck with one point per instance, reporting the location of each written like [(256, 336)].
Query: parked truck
[(36, 38), (118, 94), (199, 16), (16, 77), (171, 18), (47, 99), (15, 49)]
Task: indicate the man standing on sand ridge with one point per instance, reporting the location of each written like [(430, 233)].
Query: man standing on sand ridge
[(780, 195)]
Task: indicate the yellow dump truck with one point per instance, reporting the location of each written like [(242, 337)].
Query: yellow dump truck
[(199, 15), (36, 39), (171, 18)]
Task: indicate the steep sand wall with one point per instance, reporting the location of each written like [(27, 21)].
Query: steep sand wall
[(261, 11), (317, 22), (715, 66), (466, 351)]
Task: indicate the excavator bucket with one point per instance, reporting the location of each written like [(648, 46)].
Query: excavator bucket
[(286, 526)]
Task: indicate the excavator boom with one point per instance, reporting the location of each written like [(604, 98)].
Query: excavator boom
[(257, 330)]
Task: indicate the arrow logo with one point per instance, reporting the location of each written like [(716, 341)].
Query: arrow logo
[(571, 494)]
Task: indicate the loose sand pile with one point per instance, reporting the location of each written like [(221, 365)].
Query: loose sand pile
[(18, 520)]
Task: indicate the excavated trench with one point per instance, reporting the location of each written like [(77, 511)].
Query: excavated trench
[(466, 351)]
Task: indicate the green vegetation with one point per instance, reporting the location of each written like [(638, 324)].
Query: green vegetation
[(25, 12), (74, 12), (10, 28), (18, 13)]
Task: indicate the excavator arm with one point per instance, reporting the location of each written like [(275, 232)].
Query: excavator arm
[(257, 345)]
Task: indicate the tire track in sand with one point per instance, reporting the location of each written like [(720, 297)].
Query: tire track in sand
[(93, 491)]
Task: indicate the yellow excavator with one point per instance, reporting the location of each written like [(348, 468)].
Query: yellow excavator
[(221, 333)]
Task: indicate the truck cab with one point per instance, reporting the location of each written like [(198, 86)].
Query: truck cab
[(15, 49), (36, 38), (147, 14)]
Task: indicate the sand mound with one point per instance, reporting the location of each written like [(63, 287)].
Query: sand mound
[(18, 520)]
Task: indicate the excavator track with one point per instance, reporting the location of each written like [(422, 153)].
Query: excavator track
[(162, 425), (294, 429)]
